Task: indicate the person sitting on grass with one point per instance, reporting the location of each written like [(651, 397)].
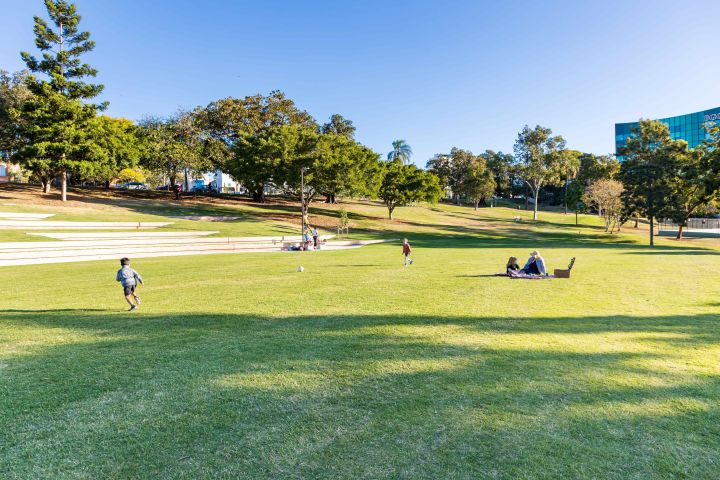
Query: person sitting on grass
[(512, 266), (535, 264), (128, 278)]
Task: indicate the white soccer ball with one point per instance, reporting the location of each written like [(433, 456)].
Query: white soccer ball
[(301, 268)]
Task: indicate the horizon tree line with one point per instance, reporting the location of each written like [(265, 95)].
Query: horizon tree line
[(50, 125)]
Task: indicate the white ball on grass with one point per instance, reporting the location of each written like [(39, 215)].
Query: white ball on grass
[(301, 268)]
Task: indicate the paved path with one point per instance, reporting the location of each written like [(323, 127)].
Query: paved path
[(32, 253)]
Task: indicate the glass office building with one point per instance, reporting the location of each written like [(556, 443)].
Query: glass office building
[(683, 127)]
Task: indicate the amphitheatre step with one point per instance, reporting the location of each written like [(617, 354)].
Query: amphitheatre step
[(25, 216), (39, 224), (206, 218), (122, 235), (56, 254), (75, 245)]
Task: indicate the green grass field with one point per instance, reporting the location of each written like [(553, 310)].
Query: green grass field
[(238, 366)]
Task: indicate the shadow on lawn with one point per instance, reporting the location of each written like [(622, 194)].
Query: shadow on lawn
[(355, 396)]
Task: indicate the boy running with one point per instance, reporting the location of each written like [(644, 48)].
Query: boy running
[(407, 251), (128, 278)]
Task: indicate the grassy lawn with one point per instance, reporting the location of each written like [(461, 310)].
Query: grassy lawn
[(238, 366)]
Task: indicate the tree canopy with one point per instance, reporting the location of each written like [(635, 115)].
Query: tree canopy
[(401, 152), (339, 125), (540, 159), (404, 184), (647, 172)]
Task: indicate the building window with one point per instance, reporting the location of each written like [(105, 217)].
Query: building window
[(3, 171)]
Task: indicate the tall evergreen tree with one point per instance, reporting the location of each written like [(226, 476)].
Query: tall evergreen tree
[(62, 48), (53, 123), (648, 171)]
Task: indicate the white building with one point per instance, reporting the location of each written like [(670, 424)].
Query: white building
[(224, 183)]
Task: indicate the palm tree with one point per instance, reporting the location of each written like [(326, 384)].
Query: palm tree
[(401, 152)]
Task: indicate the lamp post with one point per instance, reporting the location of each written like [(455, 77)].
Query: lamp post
[(302, 204)]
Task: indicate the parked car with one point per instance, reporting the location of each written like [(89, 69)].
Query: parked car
[(209, 188), (133, 186), (170, 187)]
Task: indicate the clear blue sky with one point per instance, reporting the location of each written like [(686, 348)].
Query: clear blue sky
[(435, 73)]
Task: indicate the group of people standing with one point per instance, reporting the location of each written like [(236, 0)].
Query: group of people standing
[(535, 265)]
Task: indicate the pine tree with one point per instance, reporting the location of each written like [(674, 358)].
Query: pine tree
[(54, 122), (62, 49)]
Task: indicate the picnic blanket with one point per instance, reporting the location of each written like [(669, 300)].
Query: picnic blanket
[(524, 276), (527, 276)]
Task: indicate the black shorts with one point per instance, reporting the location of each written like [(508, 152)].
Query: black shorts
[(129, 290)]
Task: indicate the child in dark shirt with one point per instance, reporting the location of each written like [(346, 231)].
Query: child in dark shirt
[(512, 266)]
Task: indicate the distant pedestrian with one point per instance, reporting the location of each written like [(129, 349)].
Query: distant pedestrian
[(406, 252), (316, 238), (129, 279)]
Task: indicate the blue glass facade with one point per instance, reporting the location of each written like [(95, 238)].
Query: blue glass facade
[(683, 127)]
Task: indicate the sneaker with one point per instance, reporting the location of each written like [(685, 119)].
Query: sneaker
[(134, 307), (411, 262)]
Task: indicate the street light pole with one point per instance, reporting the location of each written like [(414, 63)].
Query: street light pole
[(302, 204)]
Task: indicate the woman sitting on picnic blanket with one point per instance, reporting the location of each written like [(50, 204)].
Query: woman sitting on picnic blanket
[(535, 264)]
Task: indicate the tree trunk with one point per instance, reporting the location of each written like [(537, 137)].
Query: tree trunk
[(46, 184), (187, 182), (576, 218), (637, 222), (535, 205), (652, 230), (107, 184), (477, 203), (63, 186), (259, 194), (390, 212), (566, 187), (680, 232)]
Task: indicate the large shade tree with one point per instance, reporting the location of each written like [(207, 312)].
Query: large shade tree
[(117, 147), (478, 182), (233, 128), (696, 183), (404, 184), (172, 145), (273, 155), (451, 169), (649, 170), (341, 166), (464, 174), (13, 93), (500, 164), (539, 160)]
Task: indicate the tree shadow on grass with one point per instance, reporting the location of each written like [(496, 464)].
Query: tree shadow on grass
[(353, 396)]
